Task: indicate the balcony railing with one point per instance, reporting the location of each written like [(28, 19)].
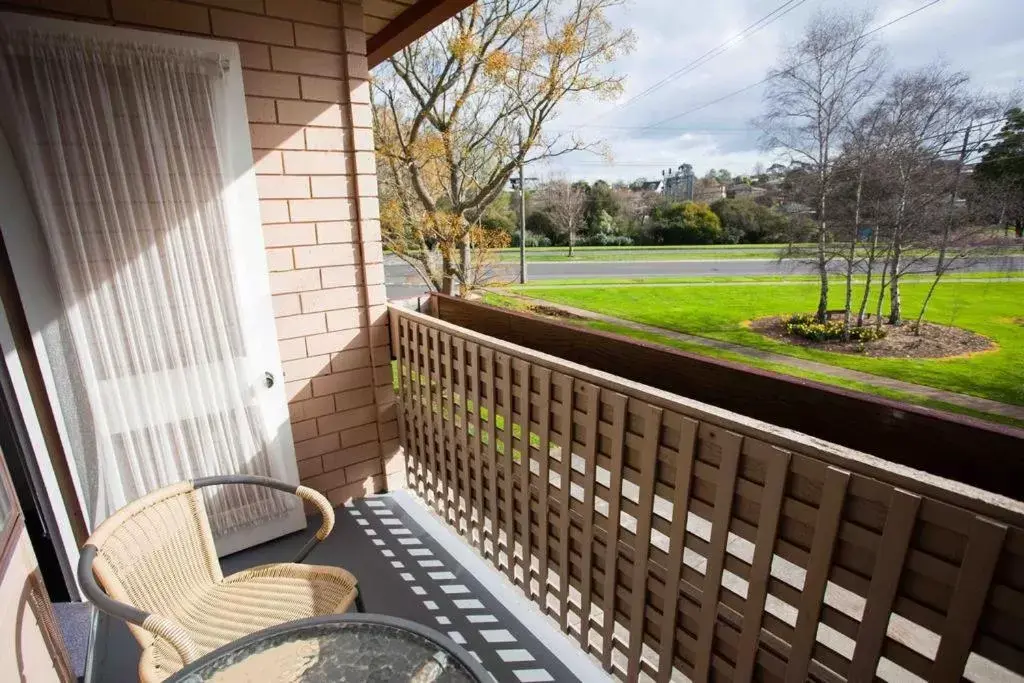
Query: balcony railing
[(666, 535)]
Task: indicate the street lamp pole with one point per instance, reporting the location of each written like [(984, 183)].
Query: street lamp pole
[(522, 226)]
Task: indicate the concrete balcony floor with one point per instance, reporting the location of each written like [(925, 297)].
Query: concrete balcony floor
[(410, 565)]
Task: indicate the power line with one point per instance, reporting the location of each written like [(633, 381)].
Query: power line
[(953, 148), (773, 16), (774, 76), (688, 129), (691, 129), (952, 151)]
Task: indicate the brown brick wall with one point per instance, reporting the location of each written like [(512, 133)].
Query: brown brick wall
[(307, 96)]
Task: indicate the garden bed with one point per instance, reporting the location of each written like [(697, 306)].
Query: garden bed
[(934, 341)]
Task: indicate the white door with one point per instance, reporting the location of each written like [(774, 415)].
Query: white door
[(130, 214)]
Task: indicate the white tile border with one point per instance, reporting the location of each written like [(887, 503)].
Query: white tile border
[(563, 648)]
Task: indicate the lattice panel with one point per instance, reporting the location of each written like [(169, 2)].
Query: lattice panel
[(731, 557)]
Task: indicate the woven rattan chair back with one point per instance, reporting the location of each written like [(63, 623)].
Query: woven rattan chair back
[(155, 551)]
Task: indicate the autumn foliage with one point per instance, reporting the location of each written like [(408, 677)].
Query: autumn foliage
[(457, 112)]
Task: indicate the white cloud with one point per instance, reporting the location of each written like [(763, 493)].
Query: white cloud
[(981, 37)]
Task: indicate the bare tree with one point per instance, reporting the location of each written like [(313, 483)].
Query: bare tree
[(566, 204), (820, 84), (457, 111), (636, 203), (920, 117), (960, 241), (860, 158)]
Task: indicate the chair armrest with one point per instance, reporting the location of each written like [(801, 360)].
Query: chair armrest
[(315, 498), (320, 502), (159, 626)]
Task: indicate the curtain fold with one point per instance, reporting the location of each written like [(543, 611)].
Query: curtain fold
[(118, 148)]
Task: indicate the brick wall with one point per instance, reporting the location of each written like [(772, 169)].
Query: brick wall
[(308, 100)]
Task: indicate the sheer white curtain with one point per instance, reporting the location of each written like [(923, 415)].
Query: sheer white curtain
[(118, 147)]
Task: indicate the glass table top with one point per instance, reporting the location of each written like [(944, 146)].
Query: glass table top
[(342, 648)]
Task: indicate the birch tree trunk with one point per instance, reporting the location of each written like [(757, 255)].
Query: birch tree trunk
[(872, 252), (822, 311), (852, 256)]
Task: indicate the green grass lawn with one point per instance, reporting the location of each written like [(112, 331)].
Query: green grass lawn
[(694, 253), (993, 309), (655, 247), (664, 253), (530, 287)]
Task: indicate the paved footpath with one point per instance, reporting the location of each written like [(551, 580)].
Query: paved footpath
[(972, 402)]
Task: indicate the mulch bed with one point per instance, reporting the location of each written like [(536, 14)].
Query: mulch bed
[(935, 341), (552, 312)]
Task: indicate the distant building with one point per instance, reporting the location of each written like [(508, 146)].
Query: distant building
[(742, 190), (708, 191), (679, 184), (646, 186)]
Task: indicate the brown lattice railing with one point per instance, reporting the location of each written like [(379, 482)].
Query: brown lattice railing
[(742, 549)]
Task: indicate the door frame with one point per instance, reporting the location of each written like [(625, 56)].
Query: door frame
[(30, 450), (246, 246), (14, 524), (25, 395)]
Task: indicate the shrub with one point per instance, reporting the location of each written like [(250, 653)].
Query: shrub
[(603, 239), (831, 330), (684, 223), (746, 221), (532, 240), (605, 233)]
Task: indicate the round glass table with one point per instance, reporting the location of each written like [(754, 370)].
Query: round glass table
[(364, 648)]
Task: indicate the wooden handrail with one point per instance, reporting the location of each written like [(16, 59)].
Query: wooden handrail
[(942, 443)]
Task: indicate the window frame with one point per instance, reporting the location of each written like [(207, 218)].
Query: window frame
[(9, 532)]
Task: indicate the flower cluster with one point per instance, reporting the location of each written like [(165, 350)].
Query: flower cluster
[(831, 330)]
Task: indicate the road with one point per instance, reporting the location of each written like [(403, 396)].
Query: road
[(402, 281)]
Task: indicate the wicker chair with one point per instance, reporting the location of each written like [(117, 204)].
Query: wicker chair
[(158, 569)]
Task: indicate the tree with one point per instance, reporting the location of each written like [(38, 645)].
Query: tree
[(860, 158), (820, 83), (459, 110), (601, 199), (565, 203), (684, 223), (922, 115), (721, 175), (636, 205), (1001, 170), (500, 215), (958, 240), (540, 223), (745, 221), (607, 233)]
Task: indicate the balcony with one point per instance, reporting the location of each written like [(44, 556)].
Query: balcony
[(669, 537), (411, 566), (741, 550)]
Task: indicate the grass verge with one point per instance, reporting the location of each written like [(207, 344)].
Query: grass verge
[(992, 309), (797, 372), (781, 368), (746, 279), (708, 252)]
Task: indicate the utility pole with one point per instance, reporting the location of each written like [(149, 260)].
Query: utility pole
[(522, 226)]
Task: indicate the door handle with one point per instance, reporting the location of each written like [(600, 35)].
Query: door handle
[(268, 379)]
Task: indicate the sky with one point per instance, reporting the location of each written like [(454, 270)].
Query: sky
[(984, 38)]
